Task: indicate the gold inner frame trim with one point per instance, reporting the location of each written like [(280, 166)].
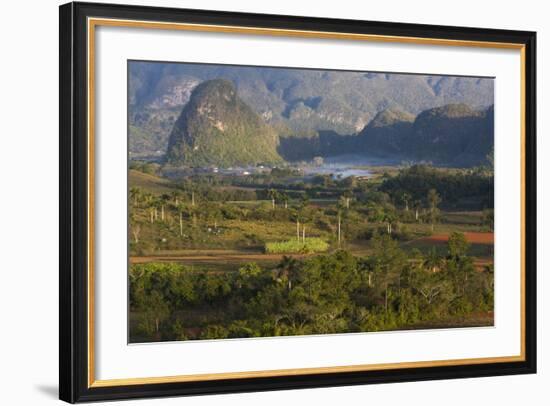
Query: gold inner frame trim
[(94, 22)]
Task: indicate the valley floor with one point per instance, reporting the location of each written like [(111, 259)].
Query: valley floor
[(225, 256)]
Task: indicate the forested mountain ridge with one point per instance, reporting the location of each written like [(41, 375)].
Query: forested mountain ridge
[(385, 134), (453, 134), (216, 128), (295, 102)]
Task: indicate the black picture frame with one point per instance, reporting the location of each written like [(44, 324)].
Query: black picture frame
[(73, 284)]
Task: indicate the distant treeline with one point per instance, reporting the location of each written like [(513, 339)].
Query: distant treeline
[(466, 188)]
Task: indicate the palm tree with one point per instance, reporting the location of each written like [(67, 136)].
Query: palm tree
[(152, 206), (135, 195), (297, 218), (433, 199), (136, 229), (135, 226), (284, 198), (189, 188), (163, 200), (181, 209), (389, 219), (147, 197), (217, 217), (272, 193), (405, 198), (288, 268), (346, 197), (340, 213), (339, 228), (433, 260), (417, 204), (175, 197), (155, 204)]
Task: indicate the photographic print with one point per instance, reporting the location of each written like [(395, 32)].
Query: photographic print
[(254, 202), (271, 201)]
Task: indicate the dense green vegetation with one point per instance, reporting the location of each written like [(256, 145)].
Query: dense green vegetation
[(230, 238), (464, 188), (334, 293)]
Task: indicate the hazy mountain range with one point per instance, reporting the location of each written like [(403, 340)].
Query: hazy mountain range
[(303, 113)]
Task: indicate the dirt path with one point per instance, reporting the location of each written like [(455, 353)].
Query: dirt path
[(241, 258), (214, 257)]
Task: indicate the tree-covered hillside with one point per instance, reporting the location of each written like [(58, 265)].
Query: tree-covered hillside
[(451, 135), (216, 128), (454, 134)]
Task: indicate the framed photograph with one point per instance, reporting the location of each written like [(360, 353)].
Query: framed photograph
[(258, 202)]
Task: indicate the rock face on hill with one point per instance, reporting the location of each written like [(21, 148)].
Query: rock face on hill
[(216, 128)]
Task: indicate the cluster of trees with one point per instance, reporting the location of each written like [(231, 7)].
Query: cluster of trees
[(470, 189), (333, 293)]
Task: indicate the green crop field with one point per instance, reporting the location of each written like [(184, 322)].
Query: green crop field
[(296, 246)]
